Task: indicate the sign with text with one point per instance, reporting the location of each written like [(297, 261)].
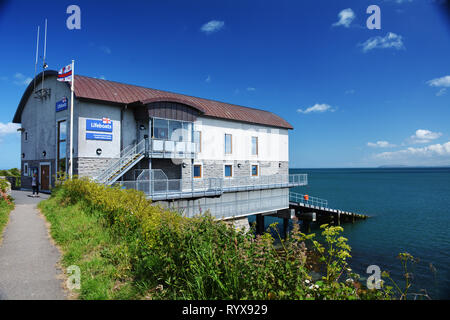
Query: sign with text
[(99, 136), (61, 104), (104, 125)]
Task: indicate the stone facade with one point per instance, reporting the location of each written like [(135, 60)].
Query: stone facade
[(90, 167)]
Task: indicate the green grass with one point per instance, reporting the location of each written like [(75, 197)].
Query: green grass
[(5, 209), (87, 243)]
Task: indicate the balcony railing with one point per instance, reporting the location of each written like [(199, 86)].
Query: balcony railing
[(171, 149), (162, 189)]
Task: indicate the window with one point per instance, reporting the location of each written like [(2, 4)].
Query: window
[(254, 170), (254, 145), (198, 140), (26, 136), (160, 129), (25, 169), (197, 170), (228, 144), (62, 150), (228, 170)]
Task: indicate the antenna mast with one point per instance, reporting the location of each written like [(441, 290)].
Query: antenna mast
[(37, 53), (43, 59), (43, 92)]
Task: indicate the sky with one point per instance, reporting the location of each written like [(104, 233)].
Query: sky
[(356, 97)]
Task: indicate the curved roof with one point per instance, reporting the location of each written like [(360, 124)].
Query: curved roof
[(116, 92)]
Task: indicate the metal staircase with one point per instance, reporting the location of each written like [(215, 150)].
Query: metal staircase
[(127, 159)]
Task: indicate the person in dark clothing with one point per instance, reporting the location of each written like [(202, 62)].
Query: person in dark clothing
[(35, 185)]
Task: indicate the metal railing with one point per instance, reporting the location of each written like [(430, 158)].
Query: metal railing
[(172, 149), (158, 188), (128, 156), (306, 199), (264, 182), (162, 189)]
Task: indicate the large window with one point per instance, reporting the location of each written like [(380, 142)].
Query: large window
[(254, 146), (228, 144), (62, 150), (164, 129)]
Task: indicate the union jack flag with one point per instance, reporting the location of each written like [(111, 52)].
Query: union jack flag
[(106, 120), (65, 74)]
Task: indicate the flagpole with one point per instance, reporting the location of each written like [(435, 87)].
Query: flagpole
[(71, 122)]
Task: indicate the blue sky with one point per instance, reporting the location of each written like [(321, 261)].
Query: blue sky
[(356, 97)]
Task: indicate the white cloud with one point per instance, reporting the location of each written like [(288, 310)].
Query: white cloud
[(8, 128), (21, 79), (424, 136), (391, 40), (105, 49), (440, 150), (440, 82), (212, 26), (346, 17), (351, 91), (208, 79), (441, 92), (251, 89), (380, 144), (317, 108)]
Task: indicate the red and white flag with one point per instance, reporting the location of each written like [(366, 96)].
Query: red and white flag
[(106, 120), (65, 74)]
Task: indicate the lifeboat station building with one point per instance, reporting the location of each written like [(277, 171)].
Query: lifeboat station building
[(184, 152)]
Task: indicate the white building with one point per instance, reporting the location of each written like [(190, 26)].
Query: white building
[(189, 153)]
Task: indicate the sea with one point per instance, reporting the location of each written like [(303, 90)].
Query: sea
[(409, 210)]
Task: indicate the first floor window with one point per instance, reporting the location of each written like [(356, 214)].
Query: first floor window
[(254, 146), (25, 169), (228, 144), (198, 140), (197, 170), (254, 170), (228, 170)]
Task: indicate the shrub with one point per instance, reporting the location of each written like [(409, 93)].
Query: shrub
[(173, 257)]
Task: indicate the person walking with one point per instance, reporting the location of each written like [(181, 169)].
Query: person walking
[(35, 185)]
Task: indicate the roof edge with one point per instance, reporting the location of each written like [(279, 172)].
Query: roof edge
[(28, 92)]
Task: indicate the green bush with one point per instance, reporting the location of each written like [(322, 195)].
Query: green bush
[(171, 257)]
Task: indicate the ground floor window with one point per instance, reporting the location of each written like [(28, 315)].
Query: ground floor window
[(228, 170), (254, 170), (197, 171), (25, 169)]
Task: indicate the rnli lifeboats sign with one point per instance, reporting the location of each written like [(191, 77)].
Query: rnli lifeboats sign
[(104, 125), (61, 104)]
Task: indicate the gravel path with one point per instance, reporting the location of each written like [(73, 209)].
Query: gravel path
[(27, 257)]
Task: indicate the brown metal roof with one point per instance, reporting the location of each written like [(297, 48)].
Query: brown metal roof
[(111, 91), (116, 92)]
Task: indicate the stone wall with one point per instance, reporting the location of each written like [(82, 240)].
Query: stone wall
[(91, 167)]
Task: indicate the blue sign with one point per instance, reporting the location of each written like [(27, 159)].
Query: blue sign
[(99, 136), (104, 125), (61, 105)]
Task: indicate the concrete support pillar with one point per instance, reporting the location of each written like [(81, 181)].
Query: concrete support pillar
[(259, 224), (285, 227)]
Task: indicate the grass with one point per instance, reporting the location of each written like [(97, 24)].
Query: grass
[(5, 209), (86, 242)]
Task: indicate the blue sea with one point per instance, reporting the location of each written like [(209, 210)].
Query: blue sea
[(409, 211)]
